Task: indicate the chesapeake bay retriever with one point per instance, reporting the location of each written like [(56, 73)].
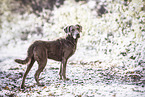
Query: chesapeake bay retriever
[(59, 50)]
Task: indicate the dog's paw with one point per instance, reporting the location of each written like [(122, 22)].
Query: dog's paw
[(41, 84), (66, 79), (22, 87), (60, 78)]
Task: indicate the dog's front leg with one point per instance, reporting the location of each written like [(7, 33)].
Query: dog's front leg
[(60, 71), (64, 62)]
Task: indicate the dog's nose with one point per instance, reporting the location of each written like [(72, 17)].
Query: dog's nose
[(78, 35)]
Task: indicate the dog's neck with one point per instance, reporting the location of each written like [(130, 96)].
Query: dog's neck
[(70, 39)]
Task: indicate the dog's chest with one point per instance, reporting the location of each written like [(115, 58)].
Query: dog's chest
[(68, 50)]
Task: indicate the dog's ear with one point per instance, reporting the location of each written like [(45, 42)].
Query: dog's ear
[(79, 27), (65, 29), (68, 29)]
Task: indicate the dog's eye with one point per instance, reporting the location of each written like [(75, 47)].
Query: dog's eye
[(78, 29), (73, 29)]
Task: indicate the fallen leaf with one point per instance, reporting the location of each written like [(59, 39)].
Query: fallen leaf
[(6, 88), (44, 87)]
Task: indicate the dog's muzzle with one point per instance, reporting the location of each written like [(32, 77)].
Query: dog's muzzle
[(78, 35), (75, 36)]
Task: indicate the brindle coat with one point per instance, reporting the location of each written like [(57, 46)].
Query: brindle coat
[(59, 50)]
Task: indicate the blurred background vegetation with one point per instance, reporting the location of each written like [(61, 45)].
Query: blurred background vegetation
[(113, 30)]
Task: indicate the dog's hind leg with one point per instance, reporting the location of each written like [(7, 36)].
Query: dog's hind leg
[(41, 66), (40, 55), (27, 71)]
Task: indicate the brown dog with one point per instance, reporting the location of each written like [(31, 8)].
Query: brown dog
[(59, 50)]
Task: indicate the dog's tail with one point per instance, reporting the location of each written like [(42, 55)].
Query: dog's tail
[(22, 61), (28, 58)]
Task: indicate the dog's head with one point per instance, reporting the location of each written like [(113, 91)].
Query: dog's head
[(73, 30)]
